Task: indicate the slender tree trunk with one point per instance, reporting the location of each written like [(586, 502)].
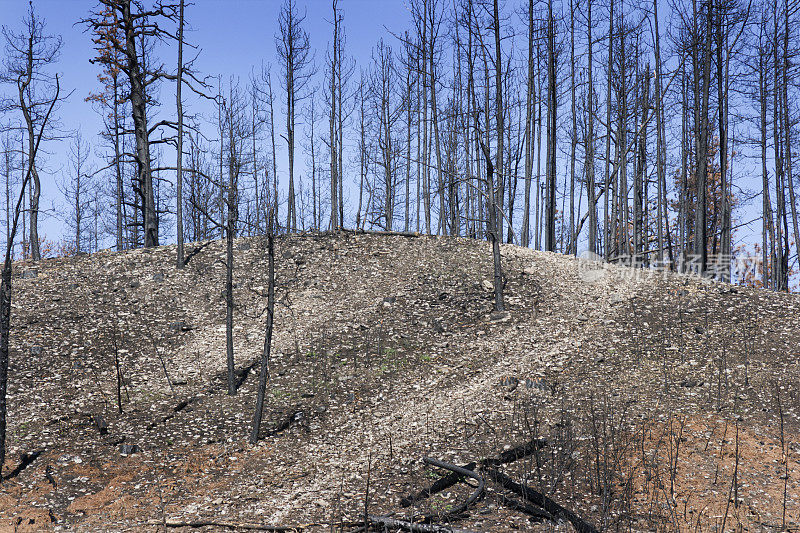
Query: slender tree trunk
[(550, 202), (573, 238), (788, 131), (539, 195), (768, 239), (660, 155), (179, 176), (499, 112), (607, 176), (529, 95), (263, 375), (701, 238), (494, 235), (590, 185)]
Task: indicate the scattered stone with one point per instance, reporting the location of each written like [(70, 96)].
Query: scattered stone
[(487, 285), (36, 350), (538, 384), (689, 383), (581, 318), (129, 449), (529, 271), (616, 299), (443, 295), (699, 330), (437, 326), (389, 301), (180, 325), (134, 284), (73, 286), (509, 381), (244, 246), (30, 273), (100, 423), (158, 277)]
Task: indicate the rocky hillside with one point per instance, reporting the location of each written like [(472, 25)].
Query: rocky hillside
[(658, 402)]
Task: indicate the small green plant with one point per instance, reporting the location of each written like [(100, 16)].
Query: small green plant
[(279, 393), (389, 352), (425, 358), (23, 429)]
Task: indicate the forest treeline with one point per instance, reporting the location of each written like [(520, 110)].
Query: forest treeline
[(645, 131)]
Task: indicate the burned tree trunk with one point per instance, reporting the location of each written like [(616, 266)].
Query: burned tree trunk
[(264, 373), (494, 232)]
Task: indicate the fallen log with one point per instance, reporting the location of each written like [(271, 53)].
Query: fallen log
[(539, 499), (463, 472), (514, 454), (536, 513), (441, 484)]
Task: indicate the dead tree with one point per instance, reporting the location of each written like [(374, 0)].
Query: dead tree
[(140, 29), (550, 201), (494, 231), (334, 61), (78, 190), (5, 286), (28, 55), (263, 376), (111, 102), (293, 49), (233, 125), (179, 158)]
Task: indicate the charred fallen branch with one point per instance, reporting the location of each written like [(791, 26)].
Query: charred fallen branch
[(536, 513), (440, 485), (514, 454), (462, 472), (290, 417), (535, 504), (539, 499), (25, 461)]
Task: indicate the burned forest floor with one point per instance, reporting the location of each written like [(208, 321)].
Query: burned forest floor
[(662, 402)]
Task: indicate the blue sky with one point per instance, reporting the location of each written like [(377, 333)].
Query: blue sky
[(235, 36)]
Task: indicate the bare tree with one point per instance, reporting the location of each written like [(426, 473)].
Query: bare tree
[(179, 157), (29, 55), (552, 100), (294, 52), (79, 191), (263, 376), (335, 142), (5, 284), (111, 102)]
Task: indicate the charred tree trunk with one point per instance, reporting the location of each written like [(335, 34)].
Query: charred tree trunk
[(263, 375)]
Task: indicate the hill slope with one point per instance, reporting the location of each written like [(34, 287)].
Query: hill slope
[(661, 397)]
